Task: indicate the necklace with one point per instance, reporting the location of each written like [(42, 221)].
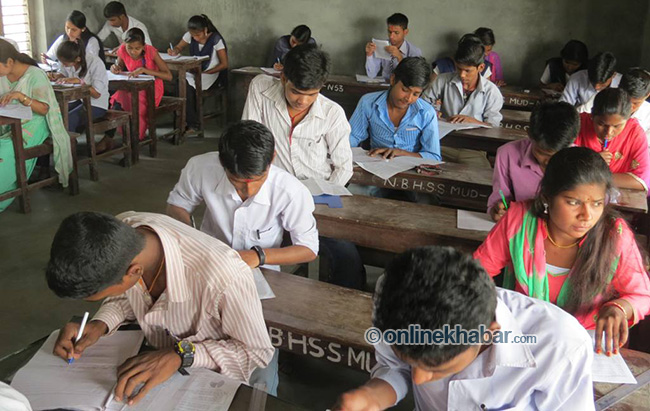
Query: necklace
[(548, 232), (162, 264)]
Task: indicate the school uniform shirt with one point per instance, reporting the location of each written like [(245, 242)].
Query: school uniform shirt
[(207, 80), (96, 77), (417, 131), (121, 34), (374, 64), (92, 47), (546, 76), (516, 172), (317, 147), (630, 148), (210, 300), (484, 104), (553, 374), (12, 400), (579, 90), (283, 203)]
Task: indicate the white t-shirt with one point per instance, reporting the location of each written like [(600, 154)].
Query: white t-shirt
[(207, 80), (96, 76), (92, 47), (121, 34)]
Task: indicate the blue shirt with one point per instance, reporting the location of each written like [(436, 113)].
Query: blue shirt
[(417, 132)]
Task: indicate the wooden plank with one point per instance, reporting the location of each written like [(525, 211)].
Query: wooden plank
[(519, 98), (483, 139), (515, 119)]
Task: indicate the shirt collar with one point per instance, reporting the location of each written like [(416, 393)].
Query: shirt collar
[(225, 188), (276, 94), (381, 105), (528, 159), (404, 48), (480, 87)]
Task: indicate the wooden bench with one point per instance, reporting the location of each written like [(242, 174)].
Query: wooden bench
[(515, 119), (113, 119), (483, 139), (174, 105)]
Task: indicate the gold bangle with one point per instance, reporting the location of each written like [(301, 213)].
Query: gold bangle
[(617, 305)]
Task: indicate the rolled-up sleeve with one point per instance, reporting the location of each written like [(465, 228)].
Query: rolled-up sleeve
[(391, 369), (114, 311), (187, 193)]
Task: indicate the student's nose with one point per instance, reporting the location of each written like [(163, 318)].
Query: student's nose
[(420, 376), (585, 212), (611, 132)]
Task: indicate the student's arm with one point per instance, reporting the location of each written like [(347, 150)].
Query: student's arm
[(494, 253), (119, 66), (429, 139), (570, 93), (104, 32), (501, 181), (293, 254), (338, 145), (187, 194), (223, 62), (178, 48), (253, 105), (180, 214), (359, 122), (373, 64), (493, 105), (628, 180), (278, 53), (51, 52), (35, 101), (96, 77), (163, 71)]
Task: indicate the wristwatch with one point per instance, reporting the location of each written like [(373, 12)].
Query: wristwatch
[(260, 254), (185, 349)]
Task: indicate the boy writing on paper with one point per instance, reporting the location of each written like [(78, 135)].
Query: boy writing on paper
[(398, 48), (583, 85), (192, 295)]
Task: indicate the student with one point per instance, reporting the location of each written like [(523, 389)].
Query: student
[(118, 23), (299, 35), (22, 82), (438, 287), (204, 40), (249, 202), (79, 68), (621, 141), (519, 165), (636, 82), (309, 129), (398, 49), (467, 97), (487, 38), (584, 84), (136, 57), (170, 278), (569, 247), (447, 64), (75, 30), (573, 57)]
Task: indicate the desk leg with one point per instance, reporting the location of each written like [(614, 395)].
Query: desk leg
[(182, 93), (151, 114), (198, 82), (21, 172), (90, 139), (135, 125)]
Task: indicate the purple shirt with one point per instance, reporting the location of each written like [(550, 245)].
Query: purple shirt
[(516, 172)]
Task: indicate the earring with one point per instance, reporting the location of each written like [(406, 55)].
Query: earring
[(545, 208)]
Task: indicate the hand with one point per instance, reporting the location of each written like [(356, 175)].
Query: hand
[(115, 69), (68, 81), (370, 49), (497, 211), (500, 83), (459, 118), (150, 368), (43, 58), (613, 323), (250, 257), (114, 51), (137, 72), (65, 346), (387, 153), (54, 76), (278, 66), (9, 97), (607, 156), (394, 51), (172, 52), (360, 399)]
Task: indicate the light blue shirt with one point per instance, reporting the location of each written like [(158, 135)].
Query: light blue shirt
[(374, 64), (417, 132)]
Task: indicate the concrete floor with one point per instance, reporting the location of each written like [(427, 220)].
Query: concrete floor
[(29, 310)]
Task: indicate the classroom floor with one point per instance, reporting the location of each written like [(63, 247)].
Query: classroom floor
[(30, 310)]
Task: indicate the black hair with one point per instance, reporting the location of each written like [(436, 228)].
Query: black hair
[(301, 33), (8, 51), (69, 51), (575, 50), (636, 82), (246, 149), (135, 34), (306, 66), (433, 286), (79, 20), (612, 101), (554, 125), (398, 19), (90, 252), (486, 35), (470, 51), (201, 22), (592, 269), (413, 72), (114, 9), (601, 67)]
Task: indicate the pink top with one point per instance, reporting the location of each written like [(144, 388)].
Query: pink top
[(630, 279), (497, 70), (148, 62)]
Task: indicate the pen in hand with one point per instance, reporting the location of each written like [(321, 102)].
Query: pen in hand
[(503, 198), (81, 332)]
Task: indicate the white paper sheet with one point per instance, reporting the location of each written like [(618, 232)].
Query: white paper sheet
[(167, 57), (445, 127), (380, 51), (372, 80), (55, 84), (610, 369), (50, 382), (264, 290), (319, 187), (125, 76), (270, 70), (16, 111), (473, 220), (53, 66), (385, 169)]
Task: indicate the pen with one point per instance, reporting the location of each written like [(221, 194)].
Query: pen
[(258, 235), (503, 198), (171, 47), (81, 332), (606, 143)]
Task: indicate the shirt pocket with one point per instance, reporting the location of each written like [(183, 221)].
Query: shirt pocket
[(312, 145), (410, 136), (265, 237)]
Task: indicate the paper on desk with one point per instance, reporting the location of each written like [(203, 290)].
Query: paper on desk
[(474, 220), (125, 76), (380, 50), (610, 369), (319, 187), (270, 70), (55, 84), (445, 127), (385, 169), (263, 288), (167, 57), (16, 111), (49, 382), (365, 79)]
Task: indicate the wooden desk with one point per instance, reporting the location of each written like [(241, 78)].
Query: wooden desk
[(519, 98), (483, 139), (182, 68), (515, 119), (134, 87)]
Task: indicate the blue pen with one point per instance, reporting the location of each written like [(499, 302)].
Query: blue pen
[(81, 332), (606, 143)]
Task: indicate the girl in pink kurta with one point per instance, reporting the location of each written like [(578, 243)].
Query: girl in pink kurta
[(487, 38), (570, 248), (137, 57)]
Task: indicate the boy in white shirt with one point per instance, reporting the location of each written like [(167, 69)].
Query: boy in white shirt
[(584, 84), (118, 23), (435, 287), (636, 82)]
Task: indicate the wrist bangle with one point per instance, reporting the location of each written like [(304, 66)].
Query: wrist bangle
[(31, 100), (260, 254), (617, 305)]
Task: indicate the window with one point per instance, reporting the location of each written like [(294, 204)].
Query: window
[(15, 23)]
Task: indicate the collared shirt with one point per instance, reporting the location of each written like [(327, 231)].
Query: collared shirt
[(283, 203), (484, 104), (96, 76), (322, 136), (374, 64), (516, 172), (210, 300), (107, 30), (92, 47), (579, 90), (417, 131), (554, 374)]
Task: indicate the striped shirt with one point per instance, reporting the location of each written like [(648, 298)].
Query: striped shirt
[(417, 131), (319, 146), (210, 300)]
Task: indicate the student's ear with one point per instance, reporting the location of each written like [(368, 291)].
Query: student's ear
[(283, 79), (135, 270), (480, 68), (494, 326), (406, 31)]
